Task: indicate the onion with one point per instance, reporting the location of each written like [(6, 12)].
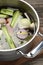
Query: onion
[(24, 23), (22, 34)]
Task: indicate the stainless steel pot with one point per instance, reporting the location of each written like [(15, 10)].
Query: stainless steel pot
[(13, 54)]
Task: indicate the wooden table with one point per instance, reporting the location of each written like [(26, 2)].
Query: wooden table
[(38, 5)]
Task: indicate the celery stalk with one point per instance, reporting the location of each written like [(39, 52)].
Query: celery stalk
[(8, 37), (3, 16), (7, 12), (15, 17)]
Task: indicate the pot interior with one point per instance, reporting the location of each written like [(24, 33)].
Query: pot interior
[(24, 7)]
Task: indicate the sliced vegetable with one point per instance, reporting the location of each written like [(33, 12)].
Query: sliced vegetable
[(10, 9), (7, 11), (8, 37), (15, 17), (24, 23), (29, 37), (32, 25), (3, 16), (22, 34), (2, 20)]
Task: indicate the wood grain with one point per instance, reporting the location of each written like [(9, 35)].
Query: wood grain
[(38, 5)]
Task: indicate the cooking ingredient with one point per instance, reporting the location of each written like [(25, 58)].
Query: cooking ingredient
[(16, 27), (32, 25), (8, 37), (24, 23), (2, 20), (3, 16), (7, 11), (22, 34), (15, 17)]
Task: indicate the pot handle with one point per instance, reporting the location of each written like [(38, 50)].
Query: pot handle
[(40, 34), (35, 51)]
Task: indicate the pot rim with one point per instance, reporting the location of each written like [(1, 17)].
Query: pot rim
[(33, 35)]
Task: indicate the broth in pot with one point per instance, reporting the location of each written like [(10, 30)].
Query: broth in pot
[(16, 27)]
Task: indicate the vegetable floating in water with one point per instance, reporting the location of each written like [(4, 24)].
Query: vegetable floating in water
[(15, 17), (8, 37), (32, 25), (24, 23), (16, 27), (22, 34), (7, 11), (3, 16)]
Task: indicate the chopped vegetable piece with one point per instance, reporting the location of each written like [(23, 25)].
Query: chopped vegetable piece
[(22, 34), (3, 16), (2, 20), (32, 25), (10, 9), (8, 37), (24, 23), (15, 17), (7, 11)]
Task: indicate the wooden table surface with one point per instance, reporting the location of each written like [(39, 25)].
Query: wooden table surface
[(38, 5)]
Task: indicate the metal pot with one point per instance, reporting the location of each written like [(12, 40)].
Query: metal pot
[(13, 54)]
